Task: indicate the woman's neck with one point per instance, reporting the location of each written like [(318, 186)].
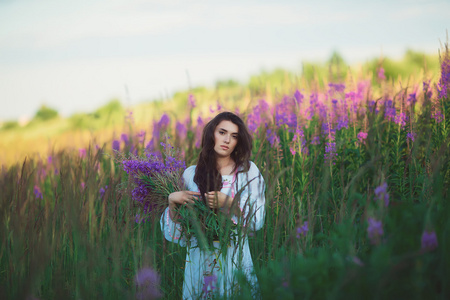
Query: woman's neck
[(225, 165)]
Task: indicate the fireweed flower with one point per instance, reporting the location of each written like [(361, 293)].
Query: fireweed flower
[(426, 90), (362, 136), (302, 230), (401, 119), (411, 136), (125, 139), (330, 151), (83, 185), (82, 152), (411, 99), (116, 145), (37, 192), (315, 140), (209, 283), (374, 230), (191, 101), (147, 282), (102, 191), (49, 159), (429, 240), (181, 130), (298, 97), (382, 194), (381, 75), (273, 138)]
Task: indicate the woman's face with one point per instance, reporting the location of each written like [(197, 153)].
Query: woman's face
[(225, 138)]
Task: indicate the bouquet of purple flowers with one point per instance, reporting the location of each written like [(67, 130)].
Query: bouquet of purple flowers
[(153, 177)]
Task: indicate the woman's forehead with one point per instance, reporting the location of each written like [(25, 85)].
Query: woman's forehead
[(228, 126)]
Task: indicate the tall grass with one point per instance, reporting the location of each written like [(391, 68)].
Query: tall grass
[(65, 235)]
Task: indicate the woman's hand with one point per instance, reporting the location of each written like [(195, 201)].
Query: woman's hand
[(181, 197), (217, 200)]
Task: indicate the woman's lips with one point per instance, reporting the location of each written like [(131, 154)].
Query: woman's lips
[(224, 147)]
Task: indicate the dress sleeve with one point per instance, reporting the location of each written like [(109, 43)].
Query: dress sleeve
[(252, 199), (170, 229)]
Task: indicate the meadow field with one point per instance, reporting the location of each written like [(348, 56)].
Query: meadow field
[(357, 166)]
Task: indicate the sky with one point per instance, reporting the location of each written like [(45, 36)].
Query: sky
[(75, 56)]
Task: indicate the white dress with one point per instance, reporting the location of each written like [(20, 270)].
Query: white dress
[(212, 265)]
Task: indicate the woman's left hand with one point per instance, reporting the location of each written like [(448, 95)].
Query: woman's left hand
[(217, 199)]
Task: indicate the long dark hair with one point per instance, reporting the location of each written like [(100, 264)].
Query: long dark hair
[(207, 177)]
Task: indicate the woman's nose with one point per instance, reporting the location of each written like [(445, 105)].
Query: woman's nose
[(227, 139)]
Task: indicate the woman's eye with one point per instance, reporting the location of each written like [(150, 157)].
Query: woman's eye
[(235, 136), (221, 132)]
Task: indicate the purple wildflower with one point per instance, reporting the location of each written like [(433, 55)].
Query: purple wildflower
[(191, 101), (83, 185), (411, 136), (125, 139), (381, 75), (437, 115), (362, 136), (273, 138), (181, 130), (164, 121), (382, 194), (411, 99), (116, 145), (330, 151), (427, 91), (82, 152), (429, 240), (375, 230), (49, 159), (336, 87), (401, 118), (102, 191), (147, 282), (37, 192), (209, 283), (298, 97), (302, 230)]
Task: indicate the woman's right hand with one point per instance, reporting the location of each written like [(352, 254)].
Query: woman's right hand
[(181, 197)]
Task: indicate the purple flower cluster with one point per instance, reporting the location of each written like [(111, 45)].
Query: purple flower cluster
[(209, 283), (181, 130), (116, 145), (37, 192), (147, 283), (258, 116), (382, 194), (444, 82), (302, 230), (330, 151), (362, 136), (429, 240), (375, 230), (102, 191), (411, 136), (401, 119), (381, 75), (82, 152), (273, 138)]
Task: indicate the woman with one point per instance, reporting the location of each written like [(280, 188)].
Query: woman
[(223, 171)]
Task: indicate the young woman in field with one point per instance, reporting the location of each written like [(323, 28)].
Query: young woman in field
[(223, 169)]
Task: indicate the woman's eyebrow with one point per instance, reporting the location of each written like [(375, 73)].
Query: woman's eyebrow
[(227, 131)]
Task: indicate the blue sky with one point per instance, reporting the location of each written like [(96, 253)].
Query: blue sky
[(77, 55)]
